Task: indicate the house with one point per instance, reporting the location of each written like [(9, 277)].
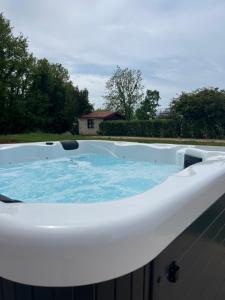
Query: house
[(89, 124)]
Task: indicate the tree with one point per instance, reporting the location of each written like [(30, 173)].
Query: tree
[(35, 94), (83, 106), (124, 91), (15, 65), (54, 103), (46, 99), (148, 107), (201, 112)]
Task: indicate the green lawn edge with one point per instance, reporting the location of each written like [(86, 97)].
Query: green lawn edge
[(40, 137)]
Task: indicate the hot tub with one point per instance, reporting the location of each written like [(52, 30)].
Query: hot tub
[(166, 242)]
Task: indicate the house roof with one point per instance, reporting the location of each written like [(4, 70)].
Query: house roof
[(102, 115)]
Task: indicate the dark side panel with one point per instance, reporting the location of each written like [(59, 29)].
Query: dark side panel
[(199, 252), (134, 286)]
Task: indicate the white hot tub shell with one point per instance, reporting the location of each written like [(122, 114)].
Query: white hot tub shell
[(80, 244)]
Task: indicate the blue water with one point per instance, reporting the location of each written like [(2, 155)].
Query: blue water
[(81, 179)]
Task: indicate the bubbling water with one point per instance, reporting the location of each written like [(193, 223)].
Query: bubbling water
[(85, 178)]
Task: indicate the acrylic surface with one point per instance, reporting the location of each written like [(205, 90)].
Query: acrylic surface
[(84, 178)]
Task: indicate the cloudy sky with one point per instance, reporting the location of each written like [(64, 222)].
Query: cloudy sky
[(177, 44)]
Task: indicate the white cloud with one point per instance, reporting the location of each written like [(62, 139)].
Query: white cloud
[(95, 85), (179, 45)]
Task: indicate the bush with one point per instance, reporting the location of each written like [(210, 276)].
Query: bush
[(151, 128), (201, 113), (201, 129), (163, 128)]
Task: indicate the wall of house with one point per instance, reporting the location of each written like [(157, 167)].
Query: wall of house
[(83, 129)]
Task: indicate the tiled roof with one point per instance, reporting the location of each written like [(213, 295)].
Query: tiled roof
[(100, 114)]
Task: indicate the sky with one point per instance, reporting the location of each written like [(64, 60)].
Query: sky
[(179, 45)]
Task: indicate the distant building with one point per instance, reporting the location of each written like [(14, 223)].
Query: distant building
[(89, 124)]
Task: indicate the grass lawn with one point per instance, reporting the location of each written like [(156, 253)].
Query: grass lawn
[(37, 137)]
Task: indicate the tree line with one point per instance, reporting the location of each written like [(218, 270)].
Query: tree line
[(38, 95), (34, 93), (200, 113)]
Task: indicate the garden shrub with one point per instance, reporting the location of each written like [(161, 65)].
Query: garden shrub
[(151, 128)]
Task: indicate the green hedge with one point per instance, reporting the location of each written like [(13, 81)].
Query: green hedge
[(163, 128), (202, 129), (152, 128)]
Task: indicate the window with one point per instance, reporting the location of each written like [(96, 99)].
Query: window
[(91, 123)]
